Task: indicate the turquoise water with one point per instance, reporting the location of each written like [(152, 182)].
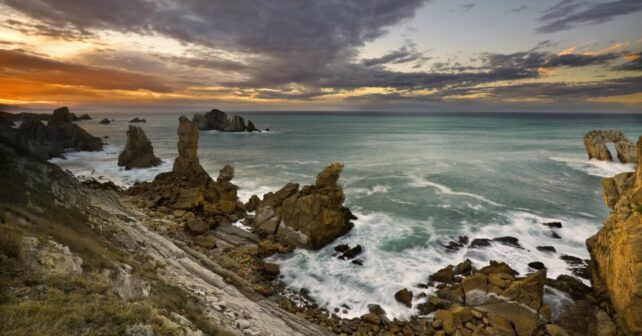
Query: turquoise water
[(414, 181)]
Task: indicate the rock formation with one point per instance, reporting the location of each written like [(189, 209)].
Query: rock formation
[(138, 152), (220, 121), (105, 121), (595, 142), (616, 250), (309, 217), (137, 120), (189, 187), (53, 139)]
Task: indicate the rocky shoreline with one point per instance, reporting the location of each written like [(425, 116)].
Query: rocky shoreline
[(184, 221)]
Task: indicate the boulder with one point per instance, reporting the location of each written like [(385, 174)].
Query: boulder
[(252, 203), (595, 142), (445, 275), (197, 226), (310, 217), (137, 120), (615, 249), (404, 296), (138, 152), (105, 121), (251, 127), (351, 253)]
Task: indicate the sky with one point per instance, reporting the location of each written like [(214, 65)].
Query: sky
[(322, 55)]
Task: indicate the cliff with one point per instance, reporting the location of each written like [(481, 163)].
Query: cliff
[(616, 249)]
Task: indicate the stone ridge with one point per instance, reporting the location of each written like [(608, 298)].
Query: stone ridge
[(595, 142), (616, 248)]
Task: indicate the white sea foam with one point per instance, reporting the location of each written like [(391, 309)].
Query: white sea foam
[(418, 181), (596, 167), (102, 165), (375, 189)]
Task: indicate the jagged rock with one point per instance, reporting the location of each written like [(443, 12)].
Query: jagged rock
[(595, 142), (252, 203), (445, 275), (219, 120), (351, 253), (537, 265), (615, 249), (404, 296), (189, 187), (137, 120), (553, 225), (549, 249), (463, 268), (53, 139), (251, 127), (479, 242), (311, 217), (138, 152), (105, 121), (509, 241)]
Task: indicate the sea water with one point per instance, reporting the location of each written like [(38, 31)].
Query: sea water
[(415, 181)]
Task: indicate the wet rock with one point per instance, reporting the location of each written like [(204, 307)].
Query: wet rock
[(252, 203), (549, 249), (358, 262), (554, 235), (536, 265), (463, 268), (105, 121), (479, 242), (271, 269), (445, 275), (553, 225), (137, 120), (341, 248), (251, 127), (509, 241), (226, 174), (371, 318), (138, 152), (404, 296), (453, 246), (351, 253)]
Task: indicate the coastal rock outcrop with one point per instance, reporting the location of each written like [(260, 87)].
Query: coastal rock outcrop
[(616, 248), (138, 152), (596, 141), (310, 217), (53, 139), (220, 121), (189, 187)]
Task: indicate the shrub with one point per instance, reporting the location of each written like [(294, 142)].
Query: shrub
[(10, 242)]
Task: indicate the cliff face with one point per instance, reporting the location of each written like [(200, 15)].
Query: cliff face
[(616, 250)]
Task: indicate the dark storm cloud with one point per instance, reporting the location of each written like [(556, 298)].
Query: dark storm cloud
[(569, 13), (300, 33), (534, 60), (405, 54)]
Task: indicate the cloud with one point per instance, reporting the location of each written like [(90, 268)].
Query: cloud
[(568, 14), (19, 64), (405, 54), (467, 7), (634, 62)]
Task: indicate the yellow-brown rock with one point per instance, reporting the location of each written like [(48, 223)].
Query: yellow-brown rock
[(616, 249), (310, 217)]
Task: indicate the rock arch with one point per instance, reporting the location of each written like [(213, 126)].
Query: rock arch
[(595, 142)]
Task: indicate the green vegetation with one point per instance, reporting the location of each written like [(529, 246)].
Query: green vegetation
[(10, 241)]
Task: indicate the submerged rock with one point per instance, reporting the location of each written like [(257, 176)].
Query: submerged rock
[(595, 142), (404, 296), (310, 217), (138, 152)]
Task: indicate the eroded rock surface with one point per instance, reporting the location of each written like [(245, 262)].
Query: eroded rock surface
[(595, 142), (138, 152), (220, 121), (309, 217), (616, 250)]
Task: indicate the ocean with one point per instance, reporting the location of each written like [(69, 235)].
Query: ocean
[(415, 182)]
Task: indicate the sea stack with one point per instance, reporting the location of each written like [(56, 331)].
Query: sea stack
[(220, 121), (310, 217), (138, 152), (188, 186), (615, 249), (595, 142)]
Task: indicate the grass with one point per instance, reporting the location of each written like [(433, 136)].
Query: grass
[(10, 242)]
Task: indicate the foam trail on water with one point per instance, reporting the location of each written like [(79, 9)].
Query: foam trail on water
[(596, 167), (421, 182), (102, 166)]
